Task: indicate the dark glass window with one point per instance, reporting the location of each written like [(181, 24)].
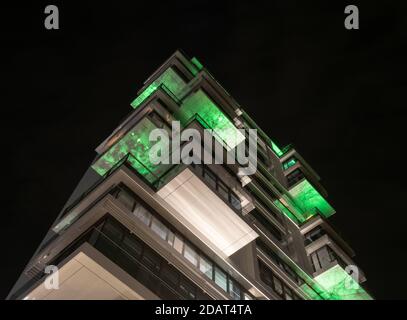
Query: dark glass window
[(235, 201), (279, 261), (223, 190), (210, 178), (187, 288), (323, 257), (314, 235), (136, 258), (274, 282), (151, 260), (126, 198), (234, 290), (294, 177), (112, 232), (267, 224), (132, 246), (170, 275)]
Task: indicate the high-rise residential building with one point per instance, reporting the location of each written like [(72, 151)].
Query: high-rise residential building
[(135, 229)]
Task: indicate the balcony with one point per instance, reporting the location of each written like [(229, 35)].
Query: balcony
[(340, 285), (199, 208)]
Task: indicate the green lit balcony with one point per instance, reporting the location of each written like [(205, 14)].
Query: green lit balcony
[(196, 106), (339, 285), (310, 201)]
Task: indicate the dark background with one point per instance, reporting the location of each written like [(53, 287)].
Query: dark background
[(334, 93)]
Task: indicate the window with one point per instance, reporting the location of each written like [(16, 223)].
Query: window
[(190, 254), (170, 238), (151, 260), (223, 190), (279, 261), (278, 287), (126, 198), (205, 266), (291, 273), (289, 163), (266, 223), (210, 178), (187, 288), (112, 232), (323, 257), (260, 202), (220, 278), (234, 290), (235, 201), (159, 228), (139, 261), (266, 277), (141, 213), (275, 283), (170, 275), (178, 243), (132, 246), (294, 177), (320, 258), (333, 256), (314, 235)]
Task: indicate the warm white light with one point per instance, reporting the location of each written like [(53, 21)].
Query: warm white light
[(210, 217)]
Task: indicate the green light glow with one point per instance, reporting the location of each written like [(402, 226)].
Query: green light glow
[(169, 78), (311, 293), (340, 285), (289, 163), (199, 103), (137, 143), (196, 63), (310, 201), (275, 148)]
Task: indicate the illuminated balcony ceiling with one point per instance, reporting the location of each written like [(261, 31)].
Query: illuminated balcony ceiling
[(340, 285), (204, 213), (310, 201)]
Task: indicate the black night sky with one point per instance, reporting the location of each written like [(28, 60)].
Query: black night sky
[(335, 94)]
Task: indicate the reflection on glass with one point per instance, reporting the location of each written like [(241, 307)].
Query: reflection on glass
[(205, 266), (220, 278), (159, 228), (142, 214), (178, 243), (191, 255), (234, 290)]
